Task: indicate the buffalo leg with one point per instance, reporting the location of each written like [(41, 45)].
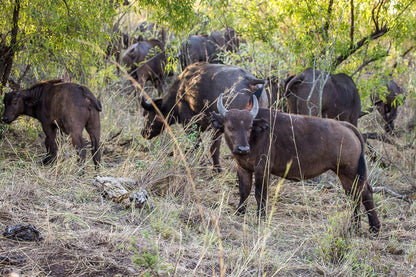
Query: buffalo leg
[(352, 189), (389, 118), (79, 144), (50, 143), (95, 151), (261, 182), (215, 151), (93, 128), (245, 182), (368, 202)]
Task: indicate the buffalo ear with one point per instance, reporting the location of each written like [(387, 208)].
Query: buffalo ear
[(259, 125), (148, 105), (217, 121)]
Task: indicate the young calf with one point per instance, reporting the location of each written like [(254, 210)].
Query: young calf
[(56, 104), (265, 141)]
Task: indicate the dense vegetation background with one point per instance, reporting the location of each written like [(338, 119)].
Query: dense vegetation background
[(192, 229)]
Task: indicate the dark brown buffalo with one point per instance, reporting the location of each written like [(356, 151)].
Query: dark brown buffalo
[(195, 92), (232, 39), (205, 48), (388, 107), (265, 141), (146, 62), (340, 97), (146, 30), (275, 89), (118, 42), (68, 107)]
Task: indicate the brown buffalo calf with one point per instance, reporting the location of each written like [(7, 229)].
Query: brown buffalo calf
[(56, 104), (263, 141)]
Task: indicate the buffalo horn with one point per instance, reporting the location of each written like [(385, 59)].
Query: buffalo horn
[(255, 108), (146, 105), (220, 106), (255, 81)]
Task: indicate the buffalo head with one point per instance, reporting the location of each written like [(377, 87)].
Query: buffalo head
[(237, 125), (15, 105), (153, 122)]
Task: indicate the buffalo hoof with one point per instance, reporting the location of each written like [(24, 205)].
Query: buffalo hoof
[(375, 230), (216, 169), (261, 214), (48, 160), (241, 210)]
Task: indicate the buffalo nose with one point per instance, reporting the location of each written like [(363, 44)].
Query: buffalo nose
[(145, 134), (5, 119), (243, 149)]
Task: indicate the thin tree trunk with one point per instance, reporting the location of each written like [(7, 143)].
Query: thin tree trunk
[(7, 51)]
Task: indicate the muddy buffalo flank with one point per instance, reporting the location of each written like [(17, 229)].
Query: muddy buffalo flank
[(68, 107), (264, 140), (194, 92)]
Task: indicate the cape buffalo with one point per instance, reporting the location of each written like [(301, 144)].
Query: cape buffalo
[(205, 48), (146, 30), (388, 107), (232, 39), (68, 107), (340, 97), (264, 141), (146, 62), (195, 92), (275, 89)]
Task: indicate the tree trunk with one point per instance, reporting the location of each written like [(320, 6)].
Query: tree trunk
[(7, 51)]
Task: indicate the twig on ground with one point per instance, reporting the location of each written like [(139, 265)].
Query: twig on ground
[(380, 137), (384, 138), (114, 136), (392, 193)]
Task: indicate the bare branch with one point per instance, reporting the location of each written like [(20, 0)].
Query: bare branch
[(402, 56), (380, 137), (367, 63), (326, 26), (24, 74), (352, 25), (404, 9), (373, 36), (392, 193), (374, 17), (67, 20)]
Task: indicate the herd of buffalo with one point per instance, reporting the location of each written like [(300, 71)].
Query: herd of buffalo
[(317, 132)]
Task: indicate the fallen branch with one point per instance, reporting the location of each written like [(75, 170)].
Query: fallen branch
[(380, 137), (114, 136), (385, 159), (392, 193)]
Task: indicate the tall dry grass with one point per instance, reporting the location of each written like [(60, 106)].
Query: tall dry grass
[(193, 229)]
